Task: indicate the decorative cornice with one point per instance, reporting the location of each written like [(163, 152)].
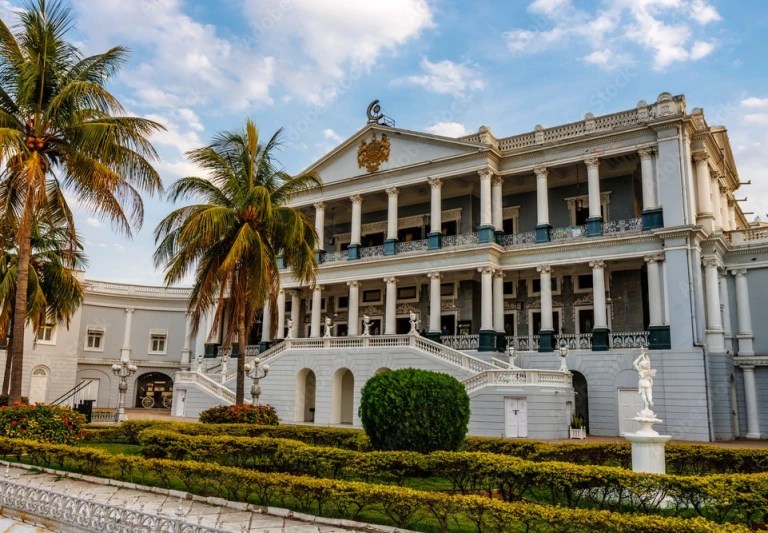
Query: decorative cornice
[(510, 212)]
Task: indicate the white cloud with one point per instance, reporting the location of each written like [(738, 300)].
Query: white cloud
[(659, 26), (756, 118), (446, 77), (320, 44), (93, 222), (182, 137), (95, 244), (328, 133), (754, 102), (448, 129)]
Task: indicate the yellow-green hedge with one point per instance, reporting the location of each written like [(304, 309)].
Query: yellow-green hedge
[(739, 498), (397, 506)]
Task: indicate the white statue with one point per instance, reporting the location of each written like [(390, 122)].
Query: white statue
[(366, 326), (328, 327), (290, 329), (414, 324), (645, 384)]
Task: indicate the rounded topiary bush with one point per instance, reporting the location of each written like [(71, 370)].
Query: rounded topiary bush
[(45, 423), (416, 410), (263, 415)]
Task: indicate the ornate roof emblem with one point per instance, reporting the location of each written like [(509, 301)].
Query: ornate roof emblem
[(372, 154)]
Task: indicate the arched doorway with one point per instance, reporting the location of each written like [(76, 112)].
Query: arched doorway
[(38, 385), (342, 401), (582, 397), (304, 400), (156, 386)]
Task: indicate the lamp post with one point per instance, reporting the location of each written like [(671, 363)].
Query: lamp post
[(123, 370), (200, 363), (511, 352), (256, 374), (224, 359), (563, 355)]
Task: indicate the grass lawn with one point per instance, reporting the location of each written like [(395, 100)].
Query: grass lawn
[(113, 447)]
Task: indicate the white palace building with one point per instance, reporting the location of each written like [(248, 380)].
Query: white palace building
[(600, 236)]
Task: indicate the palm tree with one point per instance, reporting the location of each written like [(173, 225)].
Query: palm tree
[(54, 293), (61, 130), (232, 239)]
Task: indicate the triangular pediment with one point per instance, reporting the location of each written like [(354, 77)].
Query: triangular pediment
[(402, 148)]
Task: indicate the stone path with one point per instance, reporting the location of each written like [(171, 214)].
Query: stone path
[(233, 517), (9, 525)]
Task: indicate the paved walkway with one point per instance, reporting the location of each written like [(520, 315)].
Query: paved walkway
[(233, 517), (9, 525)]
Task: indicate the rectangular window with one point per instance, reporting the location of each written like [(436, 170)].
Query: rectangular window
[(449, 228), (45, 333), (343, 302), (448, 290), (95, 339), (536, 286), (409, 234), (584, 281), (158, 342), (509, 288), (406, 293), (509, 226), (372, 296)]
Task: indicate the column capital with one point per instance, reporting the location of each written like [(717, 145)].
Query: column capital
[(597, 264), (700, 157), (723, 189), (390, 280), (485, 174), (319, 205), (318, 288), (499, 273), (497, 181), (739, 272), (487, 269), (646, 153), (655, 258), (434, 275), (723, 272), (541, 171), (544, 268), (710, 262), (592, 162), (129, 310), (732, 202), (392, 191), (354, 283), (435, 183), (356, 198)]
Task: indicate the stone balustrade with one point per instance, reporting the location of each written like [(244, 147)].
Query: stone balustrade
[(518, 377), (747, 237)]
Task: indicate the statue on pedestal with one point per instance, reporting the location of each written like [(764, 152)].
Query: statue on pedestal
[(414, 324), (289, 335), (366, 326), (328, 327), (645, 382)]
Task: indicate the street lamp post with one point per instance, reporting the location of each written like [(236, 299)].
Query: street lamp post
[(563, 355), (511, 352), (256, 374), (123, 370), (200, 364)]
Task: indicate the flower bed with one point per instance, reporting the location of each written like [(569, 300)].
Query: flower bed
[(261, 415), (40, 422)]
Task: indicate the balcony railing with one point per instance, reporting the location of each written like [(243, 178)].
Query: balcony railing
[(748, 236), (575, 341), (631, 225), (460, 241), (524, 344), (461, 342), (372, 251), (529, 237), (332, 257), (407, 247), (518, 377), (567, 233), (632, 339)]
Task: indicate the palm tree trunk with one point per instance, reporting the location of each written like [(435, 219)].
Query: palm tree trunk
[(241, 344), (8, 366), (24, 251)]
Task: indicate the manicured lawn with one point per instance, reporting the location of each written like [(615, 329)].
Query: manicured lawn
[(113, 447)]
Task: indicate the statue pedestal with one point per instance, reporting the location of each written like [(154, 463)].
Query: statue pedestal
[(647, 445)]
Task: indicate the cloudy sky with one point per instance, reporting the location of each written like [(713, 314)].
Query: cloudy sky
[(443, 66)]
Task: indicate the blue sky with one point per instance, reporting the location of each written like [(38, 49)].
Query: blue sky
[(444, 66)]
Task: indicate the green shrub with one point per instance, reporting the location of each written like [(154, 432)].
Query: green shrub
[(416, 410), (262, 415), (395, 506), (40, 422)]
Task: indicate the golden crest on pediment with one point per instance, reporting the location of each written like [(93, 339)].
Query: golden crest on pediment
[(373, 153)]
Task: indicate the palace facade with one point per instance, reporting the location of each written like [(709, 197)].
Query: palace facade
[(588, 240)]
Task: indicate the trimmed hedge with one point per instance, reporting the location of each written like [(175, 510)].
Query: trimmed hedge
[(41, 422), (396, 506), (414, 410), (682, 459), (262, 415), (741, 498)]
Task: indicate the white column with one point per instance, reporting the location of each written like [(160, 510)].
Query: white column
[(485, 197), (280, 335), (716, 208), (542, 195), (704, 192), (317, 304), (202, 334), (295, 316), (266, 323), (725, 308), (392, 194), (498, 301), (125, 350), (724, 217), (357, 209), (390, 320), (497, 211), (436, 215), (353, 319), (750, 397), (434, 302), (593, 185), (186, 352), (486, 304), (320, 224), (545, 277), (647, 178), (732, 214), (715, 340), (654, 290), (744, 315), (598, 294)]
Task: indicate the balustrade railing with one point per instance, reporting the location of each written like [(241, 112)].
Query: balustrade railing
[(406, 247), (372, 251), (569, 232), (575, 341), (524, 344), (748, 236), (461, 342), (631, 225), (529, 237), (632, 339), (499, 377), (205, 382), (460, 241), (332, 257)]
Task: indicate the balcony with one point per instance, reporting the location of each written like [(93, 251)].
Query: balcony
[(573, 341), (748, 237)]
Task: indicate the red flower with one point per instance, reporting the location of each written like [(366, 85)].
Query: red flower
[(69, 426), (13, 423)]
